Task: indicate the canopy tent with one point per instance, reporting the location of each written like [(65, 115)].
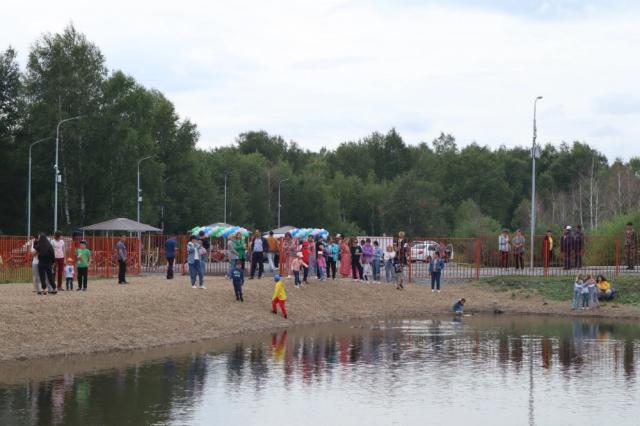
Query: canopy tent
[(220, 230), (121, 224), (279, 232)]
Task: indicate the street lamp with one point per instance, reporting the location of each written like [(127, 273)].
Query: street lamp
[(279, 203), (534, 154), (226, 176), (138, 197), (57, 178), (29, 185)]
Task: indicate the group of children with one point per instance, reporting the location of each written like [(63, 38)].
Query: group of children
[(586, 289)]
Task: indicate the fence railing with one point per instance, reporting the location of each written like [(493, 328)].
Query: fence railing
[(467, 258)]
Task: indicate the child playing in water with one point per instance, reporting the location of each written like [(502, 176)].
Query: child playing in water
[(68, 274), (577, 291), (458, 307), (279, 297), (237, 276), (297, 264)]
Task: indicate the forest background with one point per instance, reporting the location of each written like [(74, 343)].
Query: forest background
[(378, 184)]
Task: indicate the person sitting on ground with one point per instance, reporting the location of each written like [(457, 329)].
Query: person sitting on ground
[(605, 291), (458, 307)]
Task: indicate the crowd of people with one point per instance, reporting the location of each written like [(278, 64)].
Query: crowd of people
[(571, 247)]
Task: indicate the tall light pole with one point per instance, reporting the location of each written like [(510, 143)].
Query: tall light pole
[(57, 178), (279, 203), (138, 196), (226, 176), (534, 153), (29, 186)]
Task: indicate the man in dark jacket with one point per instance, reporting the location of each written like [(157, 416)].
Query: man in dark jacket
[(259, 245), (566, 246), (578, 246)]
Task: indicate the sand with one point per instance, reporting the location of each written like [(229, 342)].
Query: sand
[(152, 312)]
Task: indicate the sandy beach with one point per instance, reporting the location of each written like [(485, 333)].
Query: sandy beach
[(152, 312)]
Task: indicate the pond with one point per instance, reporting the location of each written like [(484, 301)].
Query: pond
[(493, 370)]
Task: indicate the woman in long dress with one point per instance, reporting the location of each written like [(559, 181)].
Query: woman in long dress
[(345, 258), (290, 248)]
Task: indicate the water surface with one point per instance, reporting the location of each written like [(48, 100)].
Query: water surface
[(473, 370)]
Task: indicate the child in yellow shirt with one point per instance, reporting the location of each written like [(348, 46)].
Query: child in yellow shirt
[(279, 297)]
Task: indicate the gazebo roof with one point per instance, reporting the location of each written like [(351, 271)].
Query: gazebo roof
[(121, 224)]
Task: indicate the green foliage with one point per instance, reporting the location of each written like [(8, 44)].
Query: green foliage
[(377, 184)]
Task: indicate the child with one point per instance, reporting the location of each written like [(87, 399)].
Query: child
[(237, 276), (68, 273), (397, 268), (366, 270), (458, 307), (436, 265), (297, 264), (279, 297), (83, 255), (585, 292), (577, 291), (321, 265)]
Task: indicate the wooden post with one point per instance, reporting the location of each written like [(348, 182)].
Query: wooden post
[(617, 257), (546, 257), (477, 249)]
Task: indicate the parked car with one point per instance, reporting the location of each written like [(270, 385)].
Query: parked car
[(421, 250)]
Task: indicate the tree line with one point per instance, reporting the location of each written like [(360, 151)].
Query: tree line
[(378, 184)]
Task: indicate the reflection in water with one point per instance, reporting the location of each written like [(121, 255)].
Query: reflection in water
[(506, 369)]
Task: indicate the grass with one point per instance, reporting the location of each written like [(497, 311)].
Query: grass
[(561, 288)]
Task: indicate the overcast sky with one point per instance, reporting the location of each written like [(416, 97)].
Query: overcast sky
[(327, 71)]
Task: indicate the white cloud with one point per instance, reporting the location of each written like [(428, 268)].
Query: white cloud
[(325, 72)]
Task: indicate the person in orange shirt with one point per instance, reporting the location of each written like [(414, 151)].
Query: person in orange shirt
[(279, 297)]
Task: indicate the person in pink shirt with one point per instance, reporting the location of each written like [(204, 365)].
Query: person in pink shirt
[(58, 251)]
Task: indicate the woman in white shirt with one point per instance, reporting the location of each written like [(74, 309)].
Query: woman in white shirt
[(58, 251)]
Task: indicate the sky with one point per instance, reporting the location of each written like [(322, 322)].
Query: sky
[(325, 72)]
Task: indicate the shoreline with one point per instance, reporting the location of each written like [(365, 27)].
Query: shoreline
[(153, 314)]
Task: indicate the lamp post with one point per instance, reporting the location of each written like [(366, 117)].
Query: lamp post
[(226, 176), (138, 197), (534, 153), (279, 203), (29, 185), (57, 178)]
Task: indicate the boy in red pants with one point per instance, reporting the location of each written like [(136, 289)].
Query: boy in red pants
[(279, 297)]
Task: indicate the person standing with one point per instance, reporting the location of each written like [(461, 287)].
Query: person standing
[(356, 255), (170, 253), (240, 248), (194, 254), (69, 272), (237, 276), (296, 265), (273, 248), (83, 255), (121, 250), (375, 262), (402, 248), (578, 246), (258, 246), (311, 261), (34, 267), (205, 245), (46, 257), (320, 251), (436, 265), (305, 261), (345, 258), (58, 250), (566, 245), (518, 249), (290, 248), (630, 246), (504, 246), (547, 248), (232, 255), (332, 250), (389, 259)]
